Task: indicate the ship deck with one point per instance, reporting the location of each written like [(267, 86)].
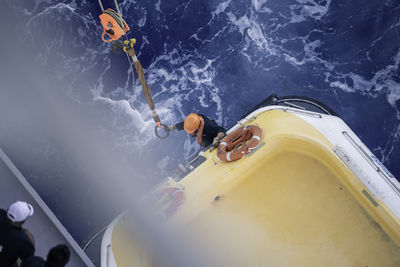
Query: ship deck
[(45, 227)]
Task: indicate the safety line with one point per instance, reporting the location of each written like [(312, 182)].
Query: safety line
[(131, 66), (101, 6), (116, 5), (132, 71)]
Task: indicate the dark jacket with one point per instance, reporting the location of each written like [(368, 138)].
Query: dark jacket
[(14, 243), (211, 130), (33, 261)]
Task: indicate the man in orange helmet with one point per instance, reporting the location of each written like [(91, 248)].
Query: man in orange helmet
[(206, 130)]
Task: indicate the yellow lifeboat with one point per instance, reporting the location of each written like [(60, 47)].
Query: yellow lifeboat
[(309, 194)]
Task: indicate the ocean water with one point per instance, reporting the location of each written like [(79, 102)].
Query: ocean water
[(217, 58)]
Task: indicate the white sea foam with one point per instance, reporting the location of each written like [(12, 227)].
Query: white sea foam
[(174, 85), (294, 61), (242, 23), (296, 18), (176, 78), (310, 55), (141, 22), (382, 81), (144, 128), (158, 6), (221, 7), (189, 147), (254, 33), (260, 6), (163, 163), (250, 26), (58, 6), (308, 8), (344, 86), (97, 90)]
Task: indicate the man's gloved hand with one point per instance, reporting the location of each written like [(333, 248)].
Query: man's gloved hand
[(170, 128), (217, 139), (215, 142), (220, 135)]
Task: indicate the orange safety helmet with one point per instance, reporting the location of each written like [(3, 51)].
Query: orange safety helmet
[(192, 123)]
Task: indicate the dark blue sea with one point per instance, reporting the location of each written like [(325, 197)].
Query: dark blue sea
[(74, 120)]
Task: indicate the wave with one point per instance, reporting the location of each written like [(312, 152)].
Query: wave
[(257, 39)]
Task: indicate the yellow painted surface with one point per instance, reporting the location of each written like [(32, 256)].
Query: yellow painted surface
[(296, 214), (129, 247), (290, 203)]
